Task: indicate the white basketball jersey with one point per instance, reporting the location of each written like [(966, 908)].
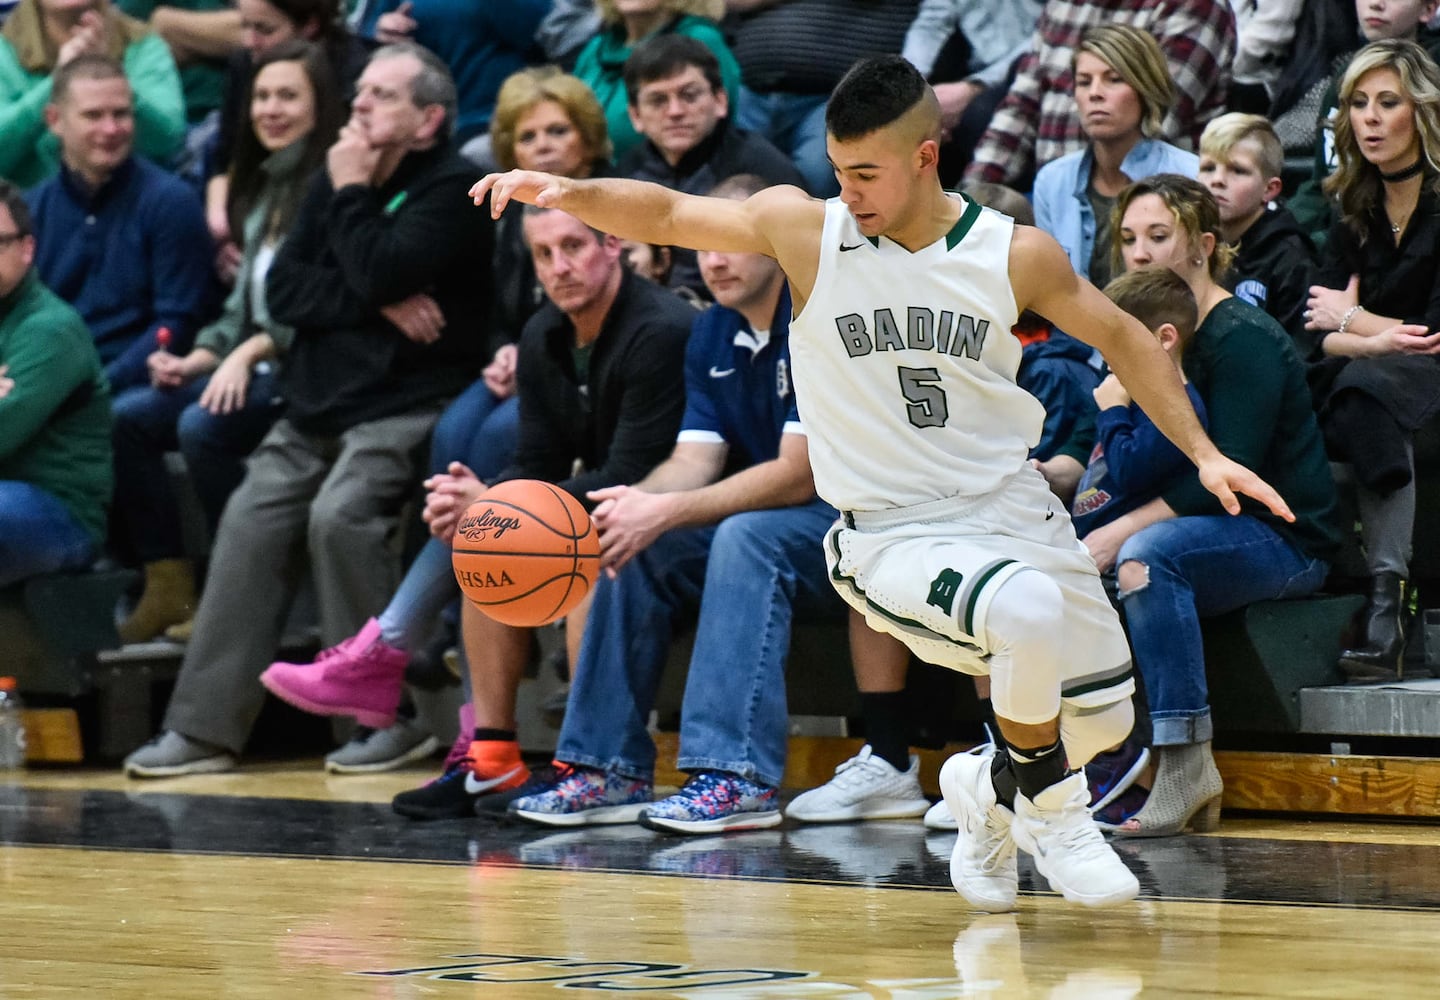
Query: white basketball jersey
[(905, 365)]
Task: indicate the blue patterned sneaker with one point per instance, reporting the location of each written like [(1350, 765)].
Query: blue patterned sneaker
[(585, 796), (715, 801)]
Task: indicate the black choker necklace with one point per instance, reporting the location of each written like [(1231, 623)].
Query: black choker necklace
[(1406, 174)]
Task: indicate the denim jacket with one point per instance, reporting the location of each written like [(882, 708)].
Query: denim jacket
[(1062, 205)]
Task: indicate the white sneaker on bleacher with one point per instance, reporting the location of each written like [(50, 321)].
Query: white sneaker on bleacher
[(864, 787)]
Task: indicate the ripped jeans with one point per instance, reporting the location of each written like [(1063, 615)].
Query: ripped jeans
[(1198, 567)]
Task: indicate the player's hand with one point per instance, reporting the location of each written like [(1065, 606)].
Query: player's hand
[(529, 187), (1110, 393), (6, 382), (418, 317), (450, 493), (1225, 479), (629, 520)]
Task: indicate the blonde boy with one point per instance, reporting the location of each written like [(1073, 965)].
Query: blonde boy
[(1240, 162)]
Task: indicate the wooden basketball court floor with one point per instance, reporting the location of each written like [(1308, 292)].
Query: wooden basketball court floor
[(282, 882)]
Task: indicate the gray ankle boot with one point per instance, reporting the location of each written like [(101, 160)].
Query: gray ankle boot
[(1186, 793)]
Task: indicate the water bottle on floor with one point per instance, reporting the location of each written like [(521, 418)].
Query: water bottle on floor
[(12, 727)]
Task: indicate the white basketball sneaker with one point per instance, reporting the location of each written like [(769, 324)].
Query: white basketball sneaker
[(938, 817), (864, 787), (1058, 832), (982, 866)]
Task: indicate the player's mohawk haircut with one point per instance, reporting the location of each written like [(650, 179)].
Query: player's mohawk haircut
[(874, 93)]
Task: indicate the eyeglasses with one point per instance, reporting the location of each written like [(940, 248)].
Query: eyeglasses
[(7, 238), (689, 96)]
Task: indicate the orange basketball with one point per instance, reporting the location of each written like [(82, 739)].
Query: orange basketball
[(526, 552)]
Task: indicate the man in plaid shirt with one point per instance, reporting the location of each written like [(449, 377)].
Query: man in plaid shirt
[(1037, 122)]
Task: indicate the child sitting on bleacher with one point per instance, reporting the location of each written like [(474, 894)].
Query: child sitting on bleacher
[(1132, 460)]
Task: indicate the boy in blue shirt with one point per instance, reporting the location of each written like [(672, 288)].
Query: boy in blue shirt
[(1132, 461)]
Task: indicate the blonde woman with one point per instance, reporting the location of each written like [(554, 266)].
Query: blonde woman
[(627, 23), (1375, 303), (1123, 91)]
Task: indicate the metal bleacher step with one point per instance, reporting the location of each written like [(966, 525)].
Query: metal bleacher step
[(1405, 708)]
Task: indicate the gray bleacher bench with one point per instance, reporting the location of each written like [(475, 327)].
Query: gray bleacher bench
[(1258, 659), (53, 630)]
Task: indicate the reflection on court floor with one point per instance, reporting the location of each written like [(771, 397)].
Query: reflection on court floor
[(153, 894)]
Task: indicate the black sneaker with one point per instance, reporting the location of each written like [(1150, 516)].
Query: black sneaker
[(443, 798), (495, 806)]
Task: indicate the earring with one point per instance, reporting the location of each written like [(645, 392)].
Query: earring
[(1198, 261)]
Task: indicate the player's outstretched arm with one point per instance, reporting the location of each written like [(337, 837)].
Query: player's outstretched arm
[(1044, 281), (650, 213)]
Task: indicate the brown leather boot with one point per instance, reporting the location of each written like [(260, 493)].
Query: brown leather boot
[(168, 599)]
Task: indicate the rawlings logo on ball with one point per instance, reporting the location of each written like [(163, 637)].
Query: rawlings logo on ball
[(478, 528)]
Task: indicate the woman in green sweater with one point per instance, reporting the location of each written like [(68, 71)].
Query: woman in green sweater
[(42, 35), (1182, 557), (627, 23)]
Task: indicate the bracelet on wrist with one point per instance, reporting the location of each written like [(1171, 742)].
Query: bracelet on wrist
[(1349, 315)]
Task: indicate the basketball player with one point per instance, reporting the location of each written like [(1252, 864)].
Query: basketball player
[(905, 376)]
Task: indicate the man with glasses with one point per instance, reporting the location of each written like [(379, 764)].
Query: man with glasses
[(678, 104), (376, 278), (55, 462)]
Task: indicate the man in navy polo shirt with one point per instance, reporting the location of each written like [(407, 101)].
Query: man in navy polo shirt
[(120, 239), (729, 523)]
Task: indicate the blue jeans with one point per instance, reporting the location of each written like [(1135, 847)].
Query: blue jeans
[(428, 586), (38, 534), (148, 423), (795, 123), (1198, 567), (477, 429), (749, 577)]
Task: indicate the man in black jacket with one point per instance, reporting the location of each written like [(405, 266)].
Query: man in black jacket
[(677, 102), (378, 279), (601, 380)]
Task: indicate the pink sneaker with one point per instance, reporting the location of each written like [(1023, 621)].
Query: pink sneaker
[(362, 677), (460, 749)]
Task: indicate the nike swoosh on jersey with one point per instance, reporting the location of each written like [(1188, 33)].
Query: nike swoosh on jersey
[(845, 249), (475, 787), (717, 373)]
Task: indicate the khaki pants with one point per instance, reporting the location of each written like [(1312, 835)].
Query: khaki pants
[(339, 498)]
